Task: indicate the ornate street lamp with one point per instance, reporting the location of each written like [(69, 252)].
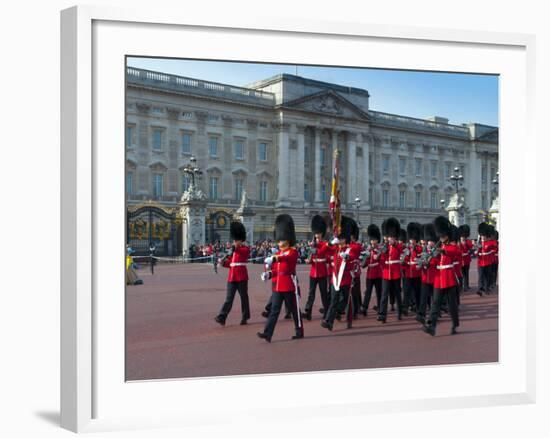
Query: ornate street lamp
[(456, 178), (192, 170), (442, 203)]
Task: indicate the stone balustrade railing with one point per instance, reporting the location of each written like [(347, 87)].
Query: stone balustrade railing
[(427, 125), (166, 81)]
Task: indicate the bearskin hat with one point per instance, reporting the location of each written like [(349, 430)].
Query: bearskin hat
[(464, 231), (442, 226), (354, 229), (483, 229), (374, 232), (284, 229), (428, 230), (391, 227), (346, 226), (414, 230), (237, 231), (491, 230), (383, 228), (453, 235), (402, 235), (318, 225)]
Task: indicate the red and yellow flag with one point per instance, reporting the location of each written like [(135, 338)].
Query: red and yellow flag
[(334, 204)]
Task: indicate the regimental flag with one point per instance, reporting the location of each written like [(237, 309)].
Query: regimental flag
[(334, 204)]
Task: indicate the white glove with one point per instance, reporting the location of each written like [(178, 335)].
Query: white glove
[(335, 241), (344, 255), (268, 261), (266, 276)]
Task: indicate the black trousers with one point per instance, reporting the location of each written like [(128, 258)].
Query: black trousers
[(356, 295), (426, 294), (466, 277), (484, 277), (493, 275), (372, 283), (313, 283), (389, 286), (336, 300), (232, 288), (277, 299), (450, 293), (412, 292)]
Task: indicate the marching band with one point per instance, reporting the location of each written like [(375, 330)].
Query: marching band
[(423, 270)]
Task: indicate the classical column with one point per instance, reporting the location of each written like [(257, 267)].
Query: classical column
[(283, 162), (351, 168), (252, 184), (226, 157), (301, 161), (474, 181), (317, 173), (366, 139)]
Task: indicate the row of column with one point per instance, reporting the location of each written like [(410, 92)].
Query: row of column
[(291, 162)]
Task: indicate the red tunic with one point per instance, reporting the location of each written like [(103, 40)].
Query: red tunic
[(391, 262), (458, 261), (283, 270), (319, 261), (237, 264), (410, 266), (338, 260), (446, 276), (356, 249), (466, 247), (486, 253), (429, 272), (374, 265)]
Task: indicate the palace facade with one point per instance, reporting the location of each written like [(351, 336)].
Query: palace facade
[(275, 138)]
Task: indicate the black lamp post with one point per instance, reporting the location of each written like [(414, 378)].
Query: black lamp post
[(456, 178), (152, 249), (192, 169)]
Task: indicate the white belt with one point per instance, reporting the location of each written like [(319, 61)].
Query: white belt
[(237, 264), (392, 262), (373, 264), (445, 266), (456, 263), (485, 253), (318, 260), (412, 263), (464, 254)]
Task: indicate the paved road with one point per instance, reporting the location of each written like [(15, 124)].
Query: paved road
[(171, 333)]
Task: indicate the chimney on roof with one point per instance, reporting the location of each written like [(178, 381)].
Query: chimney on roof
[(438, 119)]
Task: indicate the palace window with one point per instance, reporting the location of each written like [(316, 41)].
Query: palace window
[(306, 191), (402, 198), (462, 170), (185, 182), (371, 162), (213, 146), (418, 166), (323, 192), (263, 191), (239, 149), (263, 151), (402, 165), (213, 188), (447, 170), (433, 200), (129, 136), (129, 182), (484, 201), (157, 139), (433, 169), (385, 163), (323, 156), (484, 174), (418, 199), (385, 198), (238, 188), (158, 185), (493, 173), (186, 143)]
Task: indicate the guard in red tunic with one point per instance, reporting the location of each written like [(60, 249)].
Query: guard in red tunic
[(318, 273), (466, 246), (356, 249), (411, 268), (373, 268), (445, 282), (485, 257), (341, 272), (284, 280), (428, 260), (454, 240), (391, 268), (237, 280)]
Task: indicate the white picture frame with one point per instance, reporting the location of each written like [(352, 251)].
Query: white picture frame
[(93, 396)]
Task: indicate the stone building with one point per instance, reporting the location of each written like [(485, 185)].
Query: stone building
[(275, 139)]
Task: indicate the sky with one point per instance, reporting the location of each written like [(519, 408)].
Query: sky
[(460, 97)]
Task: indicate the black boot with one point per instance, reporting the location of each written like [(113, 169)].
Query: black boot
[(428, 329), (326, 325), (220, 320), (263, 335), (244, 321), (453, 330), (299, 335), (288, 315)]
